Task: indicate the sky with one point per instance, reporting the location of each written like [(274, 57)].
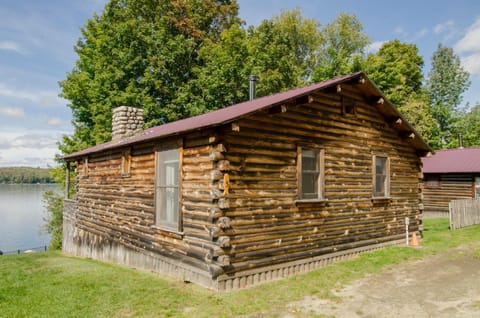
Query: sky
[(37, 41)]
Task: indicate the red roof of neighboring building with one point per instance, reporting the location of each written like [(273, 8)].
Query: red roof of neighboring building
[(466, 160), (235, 112)]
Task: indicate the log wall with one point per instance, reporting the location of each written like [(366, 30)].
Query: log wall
[(448, 187), (239, 209), (115, 209), (267, 223)]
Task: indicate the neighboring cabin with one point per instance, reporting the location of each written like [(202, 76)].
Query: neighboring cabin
[(450, 175), (253, 192)]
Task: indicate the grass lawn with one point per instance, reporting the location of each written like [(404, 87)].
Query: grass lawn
[(52, 285)]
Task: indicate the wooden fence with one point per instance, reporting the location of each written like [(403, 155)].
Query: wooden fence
[(464, 213)]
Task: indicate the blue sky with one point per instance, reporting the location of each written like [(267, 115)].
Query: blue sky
[(37, 39)]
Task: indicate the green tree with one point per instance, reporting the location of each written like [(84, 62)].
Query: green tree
[(342, 51), (283, 51), (53, 202), (280, 51), (470, 127), (416, 110), (447, 81), (222, 80), (24, 175), (141, 53), (397, 70)]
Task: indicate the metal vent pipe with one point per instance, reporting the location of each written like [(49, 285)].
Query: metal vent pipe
[(252, 81)]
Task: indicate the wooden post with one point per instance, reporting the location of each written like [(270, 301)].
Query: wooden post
[(67, 181)]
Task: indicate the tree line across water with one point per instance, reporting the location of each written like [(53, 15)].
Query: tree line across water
[(10, 175)]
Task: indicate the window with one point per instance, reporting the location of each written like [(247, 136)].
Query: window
[(432, 181), (167, 189), (311, 177), (381, 179), (477, 187), (85, 168), (126, 163), (348, 106)]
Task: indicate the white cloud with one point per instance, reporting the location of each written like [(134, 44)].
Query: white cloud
[(471, 63), (469, 49), (54, 121), (420, 34), (29, 141), (471, 40), (41, 97), (36, 148), (11, 46), (12, 112), (400, 31), (445, 27), (25, 157), (375, 46)]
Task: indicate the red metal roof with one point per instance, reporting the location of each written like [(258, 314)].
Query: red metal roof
[(234, 112), (466, 160)]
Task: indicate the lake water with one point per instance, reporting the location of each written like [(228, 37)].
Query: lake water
[(21, 216)]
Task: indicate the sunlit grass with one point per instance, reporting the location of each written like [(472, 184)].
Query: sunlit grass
[(52, 285)]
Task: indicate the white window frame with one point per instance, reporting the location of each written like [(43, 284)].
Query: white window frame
[(126, 163), (319, 173), (477, 188), (386, 174), (86, 170), (167, 190)]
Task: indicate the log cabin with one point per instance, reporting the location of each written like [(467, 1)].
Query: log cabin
[(450, 175), (253, 192)]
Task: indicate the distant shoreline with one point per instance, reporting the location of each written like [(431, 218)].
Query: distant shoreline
[(25, 175), (26, 183)]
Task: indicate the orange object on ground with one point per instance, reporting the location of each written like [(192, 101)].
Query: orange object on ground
[(414, 240)]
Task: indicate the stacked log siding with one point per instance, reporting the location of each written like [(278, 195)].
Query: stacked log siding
[(449, 187), (121, 209), (269, 225), (242, 221)]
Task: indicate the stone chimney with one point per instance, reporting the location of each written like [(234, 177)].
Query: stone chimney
[(126, 122)]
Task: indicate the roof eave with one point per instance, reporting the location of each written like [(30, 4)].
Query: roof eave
[(142, 138), (148, 135)]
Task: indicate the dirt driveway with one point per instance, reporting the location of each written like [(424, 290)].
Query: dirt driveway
[(446, 285)]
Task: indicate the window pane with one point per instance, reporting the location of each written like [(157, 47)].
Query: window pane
[(379, 186), (170, 174), (167, 189), (168, 155), (381, 177), (309, 184), (310, 175), (381, 165), (169, 206), (309, 164)]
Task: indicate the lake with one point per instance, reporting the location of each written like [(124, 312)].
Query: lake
[(21, 216)]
